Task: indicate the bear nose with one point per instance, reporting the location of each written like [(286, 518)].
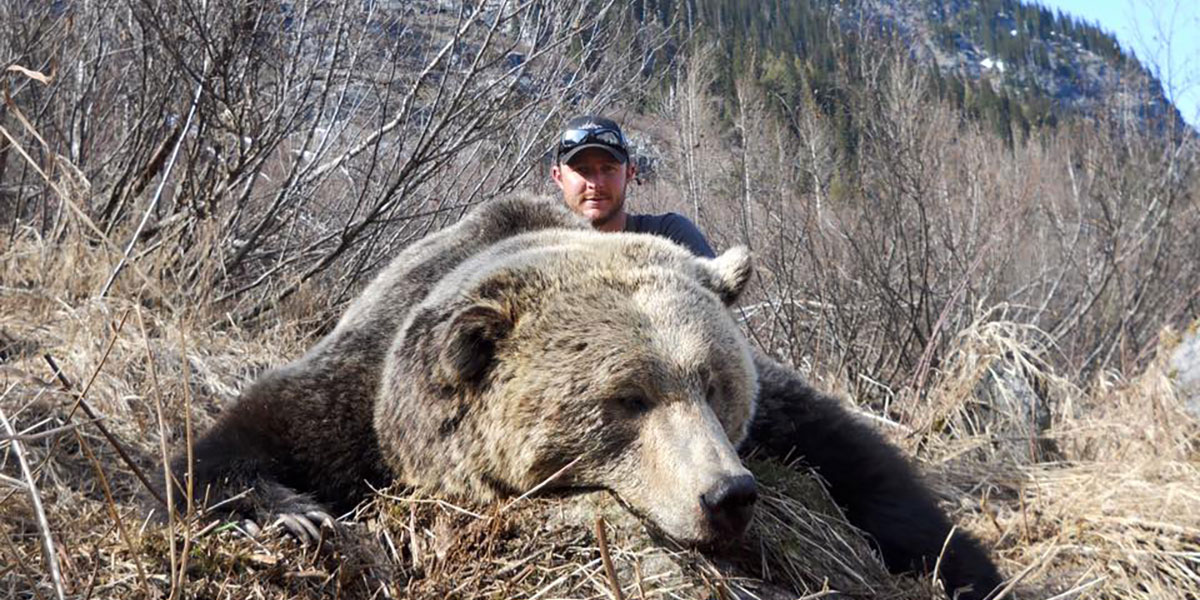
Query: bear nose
[(730, 503)]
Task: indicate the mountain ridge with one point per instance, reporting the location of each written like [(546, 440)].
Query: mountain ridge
[(1047, 65)]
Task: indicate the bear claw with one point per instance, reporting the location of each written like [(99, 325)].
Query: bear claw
[(251, 529), (306, 527)]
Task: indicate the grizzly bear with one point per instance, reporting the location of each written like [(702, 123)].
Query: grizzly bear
[(518, 347)]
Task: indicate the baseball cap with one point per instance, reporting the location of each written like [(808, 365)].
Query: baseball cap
[(591, 131)]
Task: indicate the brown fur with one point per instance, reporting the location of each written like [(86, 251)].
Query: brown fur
[(518, 343), (538, 342), (487, 357), (302, 436)]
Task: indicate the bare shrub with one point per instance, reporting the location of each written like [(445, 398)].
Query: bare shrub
[(235, 151), (1086, 232)]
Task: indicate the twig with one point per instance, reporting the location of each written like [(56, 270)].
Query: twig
[(917, 382), (1050, 552), (95, 574), (1077, 589), (29, 437), (212, 509), (80, 213), (116, 515), (541, 485), (162, 446), (13, 481), (19, 561), (87, 409), (820, 594), (609, 570), (36, 499), (157, 192), (553, 584), (177, 585), (437, 501), (874, 418), (641, 581), (937, 565), (414, 544)]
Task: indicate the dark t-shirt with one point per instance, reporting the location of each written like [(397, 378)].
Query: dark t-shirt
[(674, 227)]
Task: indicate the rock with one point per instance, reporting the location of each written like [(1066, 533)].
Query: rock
[(1185, 369), (1015, 411)]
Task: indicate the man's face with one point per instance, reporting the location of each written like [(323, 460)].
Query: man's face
[(593, 185)]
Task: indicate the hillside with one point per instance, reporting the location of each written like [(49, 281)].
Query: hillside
[(994, 275), (1051, 62), (1017, 67)]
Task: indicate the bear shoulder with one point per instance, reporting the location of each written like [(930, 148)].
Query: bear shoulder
[(412, 274)]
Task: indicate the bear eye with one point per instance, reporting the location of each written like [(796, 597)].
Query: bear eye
[(633, 404)]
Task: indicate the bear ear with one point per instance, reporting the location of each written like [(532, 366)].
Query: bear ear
[(468, 344), (727, 274)]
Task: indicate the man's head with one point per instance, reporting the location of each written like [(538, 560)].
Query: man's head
[(592, 168)]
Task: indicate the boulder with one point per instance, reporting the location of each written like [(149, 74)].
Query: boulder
[(1185, 369)]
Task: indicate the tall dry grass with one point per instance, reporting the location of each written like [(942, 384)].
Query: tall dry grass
[(996, 311), (1114, 515)]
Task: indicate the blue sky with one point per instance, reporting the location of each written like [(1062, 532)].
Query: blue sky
[(1146, 27)]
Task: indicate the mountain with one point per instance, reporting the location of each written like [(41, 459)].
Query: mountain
[(1017, 65), (1035, 52)]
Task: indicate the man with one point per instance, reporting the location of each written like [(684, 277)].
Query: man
[(593, 170)]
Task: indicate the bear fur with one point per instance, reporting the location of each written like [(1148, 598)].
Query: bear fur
[(519, 347)]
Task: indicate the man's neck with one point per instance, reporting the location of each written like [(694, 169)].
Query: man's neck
[(614, 224)]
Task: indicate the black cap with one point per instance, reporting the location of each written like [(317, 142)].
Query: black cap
[(591, 131)]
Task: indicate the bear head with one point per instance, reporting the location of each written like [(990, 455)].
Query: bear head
[(577, 359)]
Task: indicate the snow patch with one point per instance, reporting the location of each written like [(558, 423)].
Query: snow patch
[(990, 63)]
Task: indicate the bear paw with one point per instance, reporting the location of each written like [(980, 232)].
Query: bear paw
[(306, 528)]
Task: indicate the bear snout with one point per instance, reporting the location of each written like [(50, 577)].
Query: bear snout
[(729, 504)]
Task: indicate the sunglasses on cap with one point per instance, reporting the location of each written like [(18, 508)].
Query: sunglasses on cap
[(605, 136)]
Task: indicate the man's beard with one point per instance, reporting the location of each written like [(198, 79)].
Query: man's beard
[(616, 208)]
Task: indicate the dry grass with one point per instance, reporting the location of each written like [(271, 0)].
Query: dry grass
[(1115, 514), (1092, 493)]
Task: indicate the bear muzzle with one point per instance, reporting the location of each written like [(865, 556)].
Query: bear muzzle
[(691, 482), (729, 505)]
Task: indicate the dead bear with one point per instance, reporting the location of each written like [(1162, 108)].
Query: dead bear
[(518, 344)]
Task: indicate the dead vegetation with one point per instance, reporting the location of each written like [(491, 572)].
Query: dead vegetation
[(195, 205), (1115, 515)]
